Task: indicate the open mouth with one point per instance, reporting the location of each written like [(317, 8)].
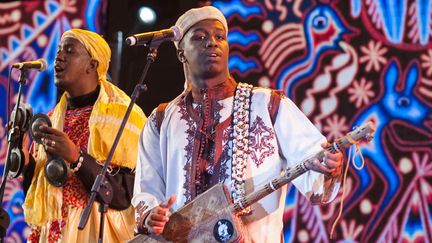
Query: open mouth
[(213, 56), (58, 69)]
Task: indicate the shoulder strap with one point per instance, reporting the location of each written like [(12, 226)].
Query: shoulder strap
[(240, 145), (160, 114), (273, 105)]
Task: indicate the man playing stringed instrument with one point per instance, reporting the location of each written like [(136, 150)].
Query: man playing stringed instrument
[(221, 131)]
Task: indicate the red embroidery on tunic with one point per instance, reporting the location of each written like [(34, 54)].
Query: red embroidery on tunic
[(34, 234), (225, 156), (259, 141), (54, 231), (190, 131), (76, 127)]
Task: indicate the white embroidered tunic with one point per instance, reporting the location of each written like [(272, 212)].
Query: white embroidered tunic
[(197, 133)]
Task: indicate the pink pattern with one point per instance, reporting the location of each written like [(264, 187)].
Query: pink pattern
[(260, 147)]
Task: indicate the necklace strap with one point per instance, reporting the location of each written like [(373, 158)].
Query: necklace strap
[(240, 149)]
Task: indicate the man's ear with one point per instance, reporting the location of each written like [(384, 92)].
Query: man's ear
[(180, 56), (93, 65)]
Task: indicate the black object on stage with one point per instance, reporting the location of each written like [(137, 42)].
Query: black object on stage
[(17, 127)]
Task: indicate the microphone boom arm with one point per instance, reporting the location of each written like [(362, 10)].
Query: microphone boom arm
[(12, 138), (100, 179)]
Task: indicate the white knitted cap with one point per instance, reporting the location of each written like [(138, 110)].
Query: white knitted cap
[(195, 15)]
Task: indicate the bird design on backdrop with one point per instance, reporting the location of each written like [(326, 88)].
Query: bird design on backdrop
[(319, 34), (33, 30)]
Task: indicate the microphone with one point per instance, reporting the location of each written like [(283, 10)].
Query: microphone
[(39, 64), (144, 39)]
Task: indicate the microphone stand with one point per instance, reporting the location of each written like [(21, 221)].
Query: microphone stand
[(101, 187), (12, 139)]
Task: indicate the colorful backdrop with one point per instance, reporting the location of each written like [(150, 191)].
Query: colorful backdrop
[(342, 62)]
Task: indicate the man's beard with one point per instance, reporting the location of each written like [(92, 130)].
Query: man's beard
[(211, 72), (60, 84)]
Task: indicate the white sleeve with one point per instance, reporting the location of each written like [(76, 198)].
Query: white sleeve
[(298, 140), (149, 185)]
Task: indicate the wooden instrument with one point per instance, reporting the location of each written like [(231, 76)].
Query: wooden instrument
[(212, 217)]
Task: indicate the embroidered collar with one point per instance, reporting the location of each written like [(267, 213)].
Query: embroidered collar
[(214, 94), (218, 92)]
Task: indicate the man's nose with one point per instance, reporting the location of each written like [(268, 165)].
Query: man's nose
[(59, 56), (211, 41)]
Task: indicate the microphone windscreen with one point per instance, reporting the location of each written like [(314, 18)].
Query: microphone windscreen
[(178, 35), (44, 64)]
